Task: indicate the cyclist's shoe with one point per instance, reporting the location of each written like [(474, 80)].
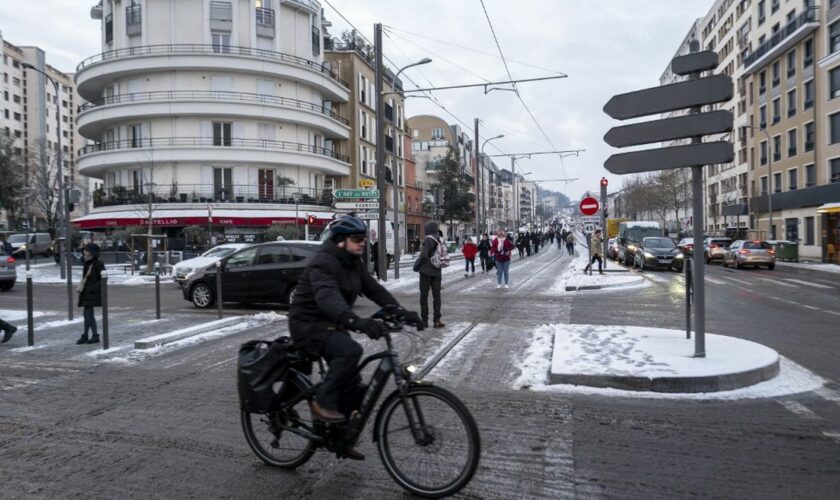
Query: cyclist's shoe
[(324, 414), (353, 454)]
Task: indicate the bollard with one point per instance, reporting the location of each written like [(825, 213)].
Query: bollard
[(157, 290), (688, 288), (219, 287), (105, 339), (30, 327)]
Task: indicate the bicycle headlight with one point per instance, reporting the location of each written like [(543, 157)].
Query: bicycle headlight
[(632, 248), (410, 369)]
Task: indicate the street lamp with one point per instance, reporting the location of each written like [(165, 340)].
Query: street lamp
[(394, 170), (771, 233), (480, 212), (63, 197)]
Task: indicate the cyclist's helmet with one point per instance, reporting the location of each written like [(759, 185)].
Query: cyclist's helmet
[(346, 225)]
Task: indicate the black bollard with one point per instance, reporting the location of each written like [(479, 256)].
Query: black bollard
[(688, 289), (157, 290), (219, 287), (30, 327), (105, 338)]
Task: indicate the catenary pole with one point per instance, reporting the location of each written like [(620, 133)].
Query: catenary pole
[(380, 153)]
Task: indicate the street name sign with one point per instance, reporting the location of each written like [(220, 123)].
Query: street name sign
[(368, 215), (669, 129), (356, 193), (594, 219), (589, 206), (687, 94), (695, 61), (689, 155), (358, 205)]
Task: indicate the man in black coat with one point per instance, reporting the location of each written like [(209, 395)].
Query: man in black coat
[(90, 294), (431, 277), (321, 316)]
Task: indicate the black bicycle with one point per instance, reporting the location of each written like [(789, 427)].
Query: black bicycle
[(427, 439)]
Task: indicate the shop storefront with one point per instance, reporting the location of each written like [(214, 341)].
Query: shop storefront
[(830, 223)]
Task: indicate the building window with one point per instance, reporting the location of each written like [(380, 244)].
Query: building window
[(223, 183), (777, 73), (834, 83), (774, 6), (761, 12), (763, 185), (834, 37), (221, 43), (762, 82), (777, 110), (777, 148), (791, 142), (791, 103), (834, 128), (791, 63), (17, 117), (810, 133), (763, 152), (835, 171), (777, 182), (792, 176), (135, 132), (809, 230), (809, 53), (762, 117), (810, 175), (809, 94), (221, 133), (437, 133)]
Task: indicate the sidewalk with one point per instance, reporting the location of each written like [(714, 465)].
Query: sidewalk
[(51, 274), (815, 266)]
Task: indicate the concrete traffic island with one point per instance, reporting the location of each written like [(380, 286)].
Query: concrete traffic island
[(657, 360)]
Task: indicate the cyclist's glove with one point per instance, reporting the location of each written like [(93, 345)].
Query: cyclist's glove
[(370, 327)]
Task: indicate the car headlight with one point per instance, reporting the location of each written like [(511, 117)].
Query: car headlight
[(23, 247), (649, 255), (632, 248), (679, 256)]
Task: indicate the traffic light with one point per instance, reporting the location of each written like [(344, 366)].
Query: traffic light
[(310, 219), (604, 182)]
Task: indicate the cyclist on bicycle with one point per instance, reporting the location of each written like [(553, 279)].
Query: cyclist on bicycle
[(321, 315)]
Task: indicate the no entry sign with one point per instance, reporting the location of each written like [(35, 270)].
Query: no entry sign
[(589, 206)]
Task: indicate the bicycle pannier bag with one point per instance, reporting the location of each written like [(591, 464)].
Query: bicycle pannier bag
[(260, 366)]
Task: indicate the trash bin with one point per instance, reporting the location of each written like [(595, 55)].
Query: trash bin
[(787, 251)]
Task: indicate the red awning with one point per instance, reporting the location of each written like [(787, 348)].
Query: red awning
[(189, 217)]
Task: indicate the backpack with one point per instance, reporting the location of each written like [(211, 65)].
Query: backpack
[(440, 257)]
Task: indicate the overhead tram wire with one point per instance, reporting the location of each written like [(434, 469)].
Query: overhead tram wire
[(436, 55), (428, 95), (516, 90)]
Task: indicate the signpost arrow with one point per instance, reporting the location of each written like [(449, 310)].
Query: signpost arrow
[(696, 61), (690, 155), (356, 193), (672, 97), (358, 205), (669, 129)]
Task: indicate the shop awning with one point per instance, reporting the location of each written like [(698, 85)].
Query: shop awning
[(829, 208), (189, 217)]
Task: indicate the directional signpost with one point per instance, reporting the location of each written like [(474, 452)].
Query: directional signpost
[(357, 205), (692, 94), (356, 193)]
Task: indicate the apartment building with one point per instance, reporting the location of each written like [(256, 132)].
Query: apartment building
[(219, 112), (28, 118), (415, 209)]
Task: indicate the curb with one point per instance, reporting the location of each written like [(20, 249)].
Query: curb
[(584, 288), (170, 337), (712, 383)]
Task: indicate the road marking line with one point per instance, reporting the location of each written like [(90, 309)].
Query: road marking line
[(653, 277), (829, 395), (716, 282), (17, 383), (834, 436), (833, 312), (740, 281), (777, 282), (800, 410), (808, 283), (811, 307)]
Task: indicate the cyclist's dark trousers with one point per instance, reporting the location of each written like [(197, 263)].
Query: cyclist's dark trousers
[(429, 282)]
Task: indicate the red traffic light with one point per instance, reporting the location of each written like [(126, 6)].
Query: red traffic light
[(604, 181), (310, 220)]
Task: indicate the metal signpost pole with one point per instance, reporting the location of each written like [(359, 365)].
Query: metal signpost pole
[(219, 287), (479, 202), (697, 210), (380, 152), (30, 329), (105, 333)]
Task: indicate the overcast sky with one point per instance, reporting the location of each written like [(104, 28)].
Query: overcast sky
[(604, 46)]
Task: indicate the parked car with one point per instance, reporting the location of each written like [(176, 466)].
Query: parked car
[(8, 273), (750, 253), (181, 270), (714, 248), (38, 244), (630, 235), (686, 246), (612, 248), (655, 252), (263, 273)]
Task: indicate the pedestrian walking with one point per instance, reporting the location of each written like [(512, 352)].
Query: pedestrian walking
[(536, 240), (484, 253), (595, 250), (374, 257), (5, 246), (90, 291), (501, 250), (570, 243), (8, 330), (469, 251), (527, 242), (433, 257), (520, 244)]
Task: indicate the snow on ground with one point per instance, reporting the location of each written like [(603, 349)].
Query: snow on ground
[(537, 360), (573, 275), (15, 315), (828, 268), (51, 274)]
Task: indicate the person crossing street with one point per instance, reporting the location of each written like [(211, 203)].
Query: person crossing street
[(596, 245)]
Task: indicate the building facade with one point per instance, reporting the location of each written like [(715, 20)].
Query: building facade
[(212, 112)]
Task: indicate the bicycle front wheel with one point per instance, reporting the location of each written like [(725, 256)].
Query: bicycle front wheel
[(428, 441), (269, 438)]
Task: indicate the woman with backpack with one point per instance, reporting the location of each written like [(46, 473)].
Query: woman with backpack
[(433, 257), (501, 250), (469, 251)]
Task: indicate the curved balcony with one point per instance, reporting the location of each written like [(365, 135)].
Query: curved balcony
[(95, 72), (93, 160), (99, 114), (209, 193)]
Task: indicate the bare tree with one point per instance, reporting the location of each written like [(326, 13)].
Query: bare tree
[(45, 183)]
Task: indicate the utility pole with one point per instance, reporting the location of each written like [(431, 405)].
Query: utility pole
[(381, 258), (479, 202)]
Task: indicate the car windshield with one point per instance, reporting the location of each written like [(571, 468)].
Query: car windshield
[(757, 245), (721, 243), (219, 252), (659, 243), (17, 238), (639, 233)]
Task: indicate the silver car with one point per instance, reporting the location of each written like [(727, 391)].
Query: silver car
[(750, 253), (8, 273)]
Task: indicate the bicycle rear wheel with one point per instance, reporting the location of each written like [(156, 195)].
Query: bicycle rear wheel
[(275, 445), (442, 459)]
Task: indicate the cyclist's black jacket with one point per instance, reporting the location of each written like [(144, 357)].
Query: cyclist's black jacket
[(330, 285)]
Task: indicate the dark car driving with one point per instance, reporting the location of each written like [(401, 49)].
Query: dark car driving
[(266, 273), (658, 252)]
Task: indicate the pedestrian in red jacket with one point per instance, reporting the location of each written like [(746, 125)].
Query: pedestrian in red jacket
[(469, 250), (501, 249)]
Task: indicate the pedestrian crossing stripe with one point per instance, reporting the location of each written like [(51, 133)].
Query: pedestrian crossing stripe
[(807, 283)]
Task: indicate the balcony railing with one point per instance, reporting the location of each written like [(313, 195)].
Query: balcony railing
[(206, 193), (133, 20), (204, 95), (265, 22), (808, 16), (164, 142), (191, 49)]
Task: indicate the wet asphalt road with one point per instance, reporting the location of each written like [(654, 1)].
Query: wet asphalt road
[(168, 426)]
